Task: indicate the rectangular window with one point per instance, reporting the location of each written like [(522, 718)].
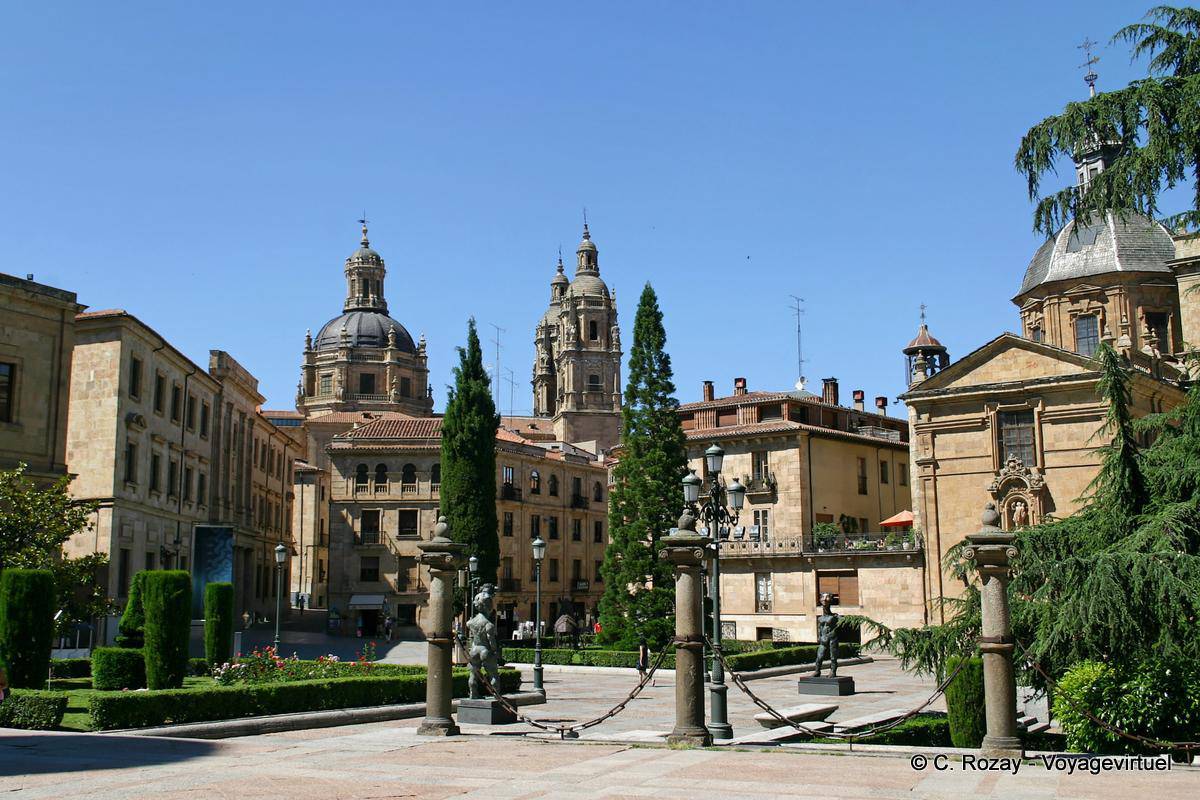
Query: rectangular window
[(366, 383), (204, 419), (599, 578), (8, 381), (1156, 322), (598, 532), (135, 377), (149, 559), (1087, 334), (155, 472), (130, 462), (369, 529), (576, 569), (326, 384), (862, 476), (883, 472), (1016, 436), (123, 573), (902, 474), (554, 570), (535, 526), (577, 486), (764, 592), (576, 530), (761, 464), (187, 484), (841, 583), (1035, 333), (762, 518), (508, 523), (506, 474), (862, 524), (594, 384), (176, 402), (173, 479), (406, 387), (593, 330), (409, 523), (552, 526), (201, 489), (160, 392), (368, 569)]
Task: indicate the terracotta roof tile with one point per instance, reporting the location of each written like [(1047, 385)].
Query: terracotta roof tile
[(398, 428)]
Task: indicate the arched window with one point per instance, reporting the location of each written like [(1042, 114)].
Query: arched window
[(535, 482), (593, 383), (408, 475), (435, 474), (598, 492), (381, 476), (554, 486), (361, 476)]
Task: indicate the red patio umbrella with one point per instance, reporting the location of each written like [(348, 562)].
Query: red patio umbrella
[(902, 520)]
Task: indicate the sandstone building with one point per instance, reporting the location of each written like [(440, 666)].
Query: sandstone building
[(1014, 422), (37, 337), (808, 460)]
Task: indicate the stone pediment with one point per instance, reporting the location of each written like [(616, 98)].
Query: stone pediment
[(1006, 359)]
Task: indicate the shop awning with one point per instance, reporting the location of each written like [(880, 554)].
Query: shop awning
[(366, 601), (902, 520)]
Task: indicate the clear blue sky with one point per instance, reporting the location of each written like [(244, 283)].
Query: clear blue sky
[(202, 166)]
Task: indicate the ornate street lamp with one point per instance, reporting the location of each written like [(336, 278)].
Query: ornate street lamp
[(280, 557), (714, 514), (473, 569), (539, 552)]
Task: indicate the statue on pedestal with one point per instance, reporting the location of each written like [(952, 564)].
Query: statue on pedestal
[(485, 645), (827, 636)]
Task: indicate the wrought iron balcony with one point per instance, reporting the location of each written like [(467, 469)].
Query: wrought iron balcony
[(843, 544), (579, 501), (510, 492), (761, 484), (367, 537)]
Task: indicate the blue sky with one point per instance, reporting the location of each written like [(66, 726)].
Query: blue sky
[(202, 165)]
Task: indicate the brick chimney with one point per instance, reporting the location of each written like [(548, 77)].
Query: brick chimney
[(881, 405), (739, 386), (860, 400), (829, 391), (708, 390)]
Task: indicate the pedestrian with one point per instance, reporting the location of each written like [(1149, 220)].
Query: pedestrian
[(300, 602), (643, 660), (596, 628), (387, 627)]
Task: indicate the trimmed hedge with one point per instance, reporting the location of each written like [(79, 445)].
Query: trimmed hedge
[(26, 626), (118, 668), (71, 667), (33, 710), (218, 623), (118, 710), (930, 729), (964, 703), (167, 599), (131, 628), (759, 659), (198, 667)]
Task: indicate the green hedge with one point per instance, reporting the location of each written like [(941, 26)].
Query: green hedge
[(964, 703), (758, 659), (26, 626), (218, 623), (133, 619), (198, 667), (33, 710), (167, 598), (71, 667), (118, 668), (930, 729), (118, 710)]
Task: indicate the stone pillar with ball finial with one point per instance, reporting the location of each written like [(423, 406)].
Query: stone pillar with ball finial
[(686, 549), (444, 558)]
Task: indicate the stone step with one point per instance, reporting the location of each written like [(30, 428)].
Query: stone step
[(1024, 721), (801, 713), (1038, 727), (869, 720), (780, 734)]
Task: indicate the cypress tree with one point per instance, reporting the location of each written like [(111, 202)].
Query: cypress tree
[(26, 625), (167, 597), (218, 623), (468, 490), (639, 590), (133, 619)]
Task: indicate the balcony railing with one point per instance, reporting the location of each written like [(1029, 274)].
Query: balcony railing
[(510, 584), (763, 483), (839, 544), (579, 501), (408, 488), (763, 606), (510, 492), (367, 537)]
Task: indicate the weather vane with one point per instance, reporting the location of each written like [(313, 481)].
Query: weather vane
[(1091, 75), (923, 307)]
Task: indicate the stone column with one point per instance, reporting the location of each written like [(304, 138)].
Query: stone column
[(992, 551), (444, 558), (686, 550)]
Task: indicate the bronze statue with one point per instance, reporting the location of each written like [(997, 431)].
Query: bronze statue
[(485, 645), (827, 636)]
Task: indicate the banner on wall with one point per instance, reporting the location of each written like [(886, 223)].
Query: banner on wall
[(212, 562)]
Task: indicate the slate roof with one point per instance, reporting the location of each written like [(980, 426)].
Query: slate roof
[(1119, 242)]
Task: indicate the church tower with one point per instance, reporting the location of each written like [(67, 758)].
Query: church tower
[(925, 356), (577, 367)]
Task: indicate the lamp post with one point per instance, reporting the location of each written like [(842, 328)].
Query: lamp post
[(280, 557), (714, 513), (539, 552), (473, 571)]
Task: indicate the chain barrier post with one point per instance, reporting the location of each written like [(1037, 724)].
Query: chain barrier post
[(686, 550), (993, 551), (444, 558)]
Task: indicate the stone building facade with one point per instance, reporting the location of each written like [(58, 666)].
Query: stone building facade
[(384, 491), (577, 363), (807, 460), (37, 338), (1015, 422)]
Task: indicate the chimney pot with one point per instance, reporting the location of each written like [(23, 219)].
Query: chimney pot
[(859, 400), (829, 391), (881, 404), (739, 385), (708, 390)]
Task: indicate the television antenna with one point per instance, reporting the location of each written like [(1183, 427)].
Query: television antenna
[(797, 308)]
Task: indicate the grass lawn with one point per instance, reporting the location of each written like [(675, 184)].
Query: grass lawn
[(79, 689)]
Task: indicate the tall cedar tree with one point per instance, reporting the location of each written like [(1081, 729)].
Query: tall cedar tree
[(1152, 125), (468, 489), (639, 591)]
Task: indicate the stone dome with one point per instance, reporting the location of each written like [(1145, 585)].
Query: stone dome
[(589, 283), (1114, 242), (364, 329)]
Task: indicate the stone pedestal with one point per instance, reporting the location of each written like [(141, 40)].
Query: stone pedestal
[(686, 550), (838, 686), (444, 558), (486, 711), (992, 551)]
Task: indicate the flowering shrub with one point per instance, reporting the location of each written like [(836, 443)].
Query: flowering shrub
[(265, 665)]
